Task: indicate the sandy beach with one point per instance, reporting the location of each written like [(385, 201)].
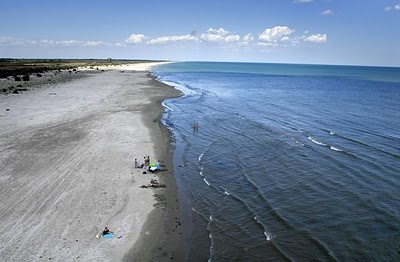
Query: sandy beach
[(67, 170)]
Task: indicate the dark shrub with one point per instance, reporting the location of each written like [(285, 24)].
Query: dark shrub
[(26, 78), (17, 78)]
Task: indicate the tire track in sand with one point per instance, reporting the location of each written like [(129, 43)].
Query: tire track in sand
[(29, 207)]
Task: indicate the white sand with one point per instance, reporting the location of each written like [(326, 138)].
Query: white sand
[(145, 66), (67, 168)]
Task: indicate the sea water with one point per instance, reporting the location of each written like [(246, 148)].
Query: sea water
[(289, 162)]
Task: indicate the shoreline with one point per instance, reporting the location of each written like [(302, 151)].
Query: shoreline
[(164, 215), (154, 246)]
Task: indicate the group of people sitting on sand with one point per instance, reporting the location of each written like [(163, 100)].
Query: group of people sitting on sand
[(145, 163)]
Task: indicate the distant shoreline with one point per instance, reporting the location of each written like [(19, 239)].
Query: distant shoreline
[(20, 75)]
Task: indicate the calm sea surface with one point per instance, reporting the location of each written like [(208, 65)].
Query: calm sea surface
[(290, 162)]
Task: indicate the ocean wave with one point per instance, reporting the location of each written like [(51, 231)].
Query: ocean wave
[(268, 236), (181, 87), (211, 238), (201, 156), (336, 149), (225, 191), (211, 246), (316, 141), (326, 145), (205, 181), (167, 107)]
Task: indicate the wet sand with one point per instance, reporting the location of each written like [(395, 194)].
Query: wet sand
[(67, 170)]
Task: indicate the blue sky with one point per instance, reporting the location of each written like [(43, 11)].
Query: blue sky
[(348, 32)]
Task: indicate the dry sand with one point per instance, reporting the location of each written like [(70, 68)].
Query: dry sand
[(67, 170)]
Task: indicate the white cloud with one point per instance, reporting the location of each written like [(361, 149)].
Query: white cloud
[(285, 38), (327, 12), (175, 38), (275, 34), (232, 38), (68, 43), (46, 42), (220, 35), (95, 43), (271, 37), (15, 41), (302, 1), (267, 44), (248, 38), (7, 40), (73, 43), (135, 39), (317, 38), (390, 8)]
